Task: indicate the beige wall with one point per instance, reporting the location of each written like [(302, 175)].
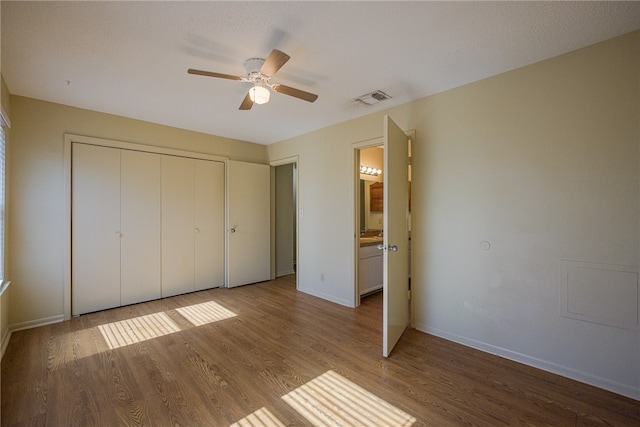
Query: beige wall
[(5, 96), (372, 157), (5, 297), (37, 188), (542, 163)]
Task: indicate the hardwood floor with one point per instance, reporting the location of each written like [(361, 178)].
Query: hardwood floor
[(275, 357)]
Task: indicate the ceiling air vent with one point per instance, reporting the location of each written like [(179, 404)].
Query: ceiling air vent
[(373, 97)]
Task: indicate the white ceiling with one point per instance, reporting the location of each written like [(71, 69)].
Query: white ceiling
[(131, 58)]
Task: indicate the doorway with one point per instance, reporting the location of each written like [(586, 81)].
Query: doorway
[(370, 220), (284, 214)]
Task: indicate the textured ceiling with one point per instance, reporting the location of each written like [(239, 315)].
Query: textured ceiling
[(131, 58)]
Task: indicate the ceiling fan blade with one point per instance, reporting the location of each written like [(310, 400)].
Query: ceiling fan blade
[(274, 62), (297, 93), (212, 74), (247, 103)]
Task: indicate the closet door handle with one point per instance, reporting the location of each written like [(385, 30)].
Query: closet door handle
[(232, 230)]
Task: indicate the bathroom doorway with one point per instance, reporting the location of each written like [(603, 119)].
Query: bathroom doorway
[(395, 231), (369, 218), (370, 221)]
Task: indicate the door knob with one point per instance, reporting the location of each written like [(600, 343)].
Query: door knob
[(393, 248), (380, 247), (233, 230)]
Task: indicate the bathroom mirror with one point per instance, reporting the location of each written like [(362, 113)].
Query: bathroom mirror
[(369, 219)]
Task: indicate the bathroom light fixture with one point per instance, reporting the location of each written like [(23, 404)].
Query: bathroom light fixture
[(259, 94), (370, 171)]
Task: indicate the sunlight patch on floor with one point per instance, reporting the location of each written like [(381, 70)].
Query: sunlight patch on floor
[(260, 418), (332, 400), (207, 312), (138, 329), (142, 328)]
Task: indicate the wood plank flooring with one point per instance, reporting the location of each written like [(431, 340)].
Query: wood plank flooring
[(266, 363)]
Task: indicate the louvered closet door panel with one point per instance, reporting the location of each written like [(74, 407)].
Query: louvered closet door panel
[(95, 228), (140, 213), (209, 224), (177, 225)]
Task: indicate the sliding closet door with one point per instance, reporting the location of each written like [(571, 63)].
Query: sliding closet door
[(178, 204), (95, 230), (209, 224), (140, 217), (144, 226)]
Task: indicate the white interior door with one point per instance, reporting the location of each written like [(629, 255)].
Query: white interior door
[(95, 228), (249, 223), (178, 200), (396, 235), (140, 217), (209, 224)]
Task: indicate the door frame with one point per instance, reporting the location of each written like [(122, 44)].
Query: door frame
[(69, 140), (295, 160)]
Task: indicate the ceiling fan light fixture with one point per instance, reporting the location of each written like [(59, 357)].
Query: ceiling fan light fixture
[(259, 73), (259, 94)]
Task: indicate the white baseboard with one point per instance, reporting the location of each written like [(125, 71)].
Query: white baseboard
[(35, 323), (584, 377), (27, 325), (285, 273), (330, 298), (5, 342)]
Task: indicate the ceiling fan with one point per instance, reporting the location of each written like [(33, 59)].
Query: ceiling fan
[(259, 73)]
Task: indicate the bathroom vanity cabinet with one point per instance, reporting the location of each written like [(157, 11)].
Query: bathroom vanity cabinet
[(370, 269)]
